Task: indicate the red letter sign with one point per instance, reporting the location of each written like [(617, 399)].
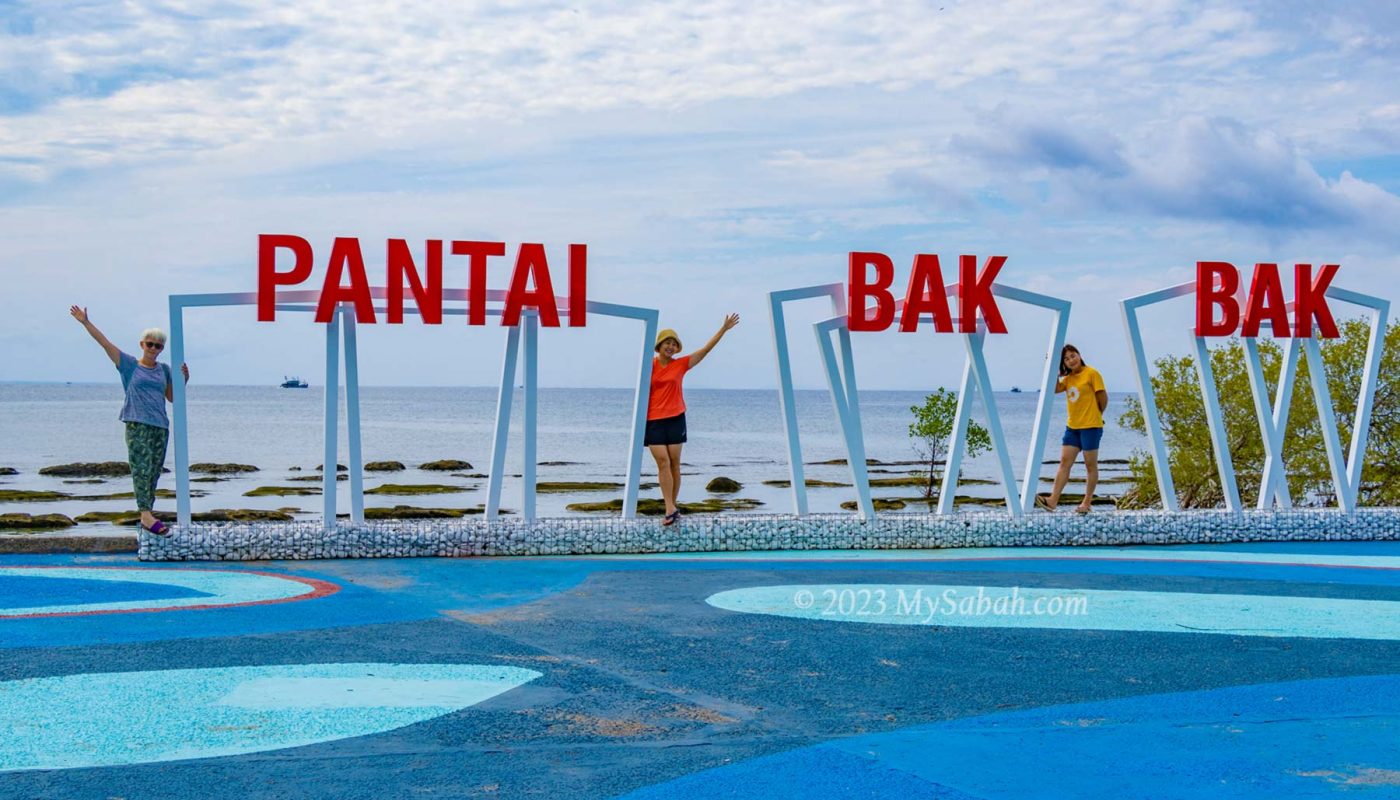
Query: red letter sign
[(1265, 302), (578, 285), (926, 295), (1208, 296), (975, 291), (268, 276), (346, 251), (476, 286), (857, 290), (429, 297), (1310, 301), (530, 263)]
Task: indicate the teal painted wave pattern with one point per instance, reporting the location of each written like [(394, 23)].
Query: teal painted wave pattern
[(1071, 609), (108, 719)]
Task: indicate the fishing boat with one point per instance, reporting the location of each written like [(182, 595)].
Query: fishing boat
[(293, 383), (1015, 390)]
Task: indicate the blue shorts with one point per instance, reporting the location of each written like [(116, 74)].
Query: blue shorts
[(1083, 438)]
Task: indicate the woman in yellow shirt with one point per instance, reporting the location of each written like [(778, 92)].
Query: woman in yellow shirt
[(1084, 392)]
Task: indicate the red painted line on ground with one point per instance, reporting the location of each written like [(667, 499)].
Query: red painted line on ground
[(319, 588)]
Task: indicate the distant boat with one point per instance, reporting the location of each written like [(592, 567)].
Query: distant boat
[(293, 383), (1015, 390)]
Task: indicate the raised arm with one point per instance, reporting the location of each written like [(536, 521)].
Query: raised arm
[(699, 355), (81, 315)]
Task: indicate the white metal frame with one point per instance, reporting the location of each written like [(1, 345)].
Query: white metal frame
[(523, 341), (342, 327), (836, 293), (975, 373), (841, 381), (1272, 417)]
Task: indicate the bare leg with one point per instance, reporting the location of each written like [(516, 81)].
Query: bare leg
[(1067, 456), (674, 450), (1091, 465), (663, 475)]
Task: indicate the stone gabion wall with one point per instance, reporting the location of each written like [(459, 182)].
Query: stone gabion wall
[(732, 532)]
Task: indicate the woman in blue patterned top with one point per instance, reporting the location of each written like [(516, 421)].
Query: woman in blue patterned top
[(148, 386)]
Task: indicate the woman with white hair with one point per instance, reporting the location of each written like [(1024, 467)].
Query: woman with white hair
[(148, 386)]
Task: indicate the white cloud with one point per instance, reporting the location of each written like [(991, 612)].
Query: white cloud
[(708, 151), (1211, 169), (209, 75)]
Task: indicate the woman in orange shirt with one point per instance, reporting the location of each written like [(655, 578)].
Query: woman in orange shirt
[(666, 409)]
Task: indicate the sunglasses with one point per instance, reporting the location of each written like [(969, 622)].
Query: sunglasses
[(153, 345)]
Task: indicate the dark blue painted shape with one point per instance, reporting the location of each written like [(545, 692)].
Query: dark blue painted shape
[(1317, 738), (813, 772), (17, 592)]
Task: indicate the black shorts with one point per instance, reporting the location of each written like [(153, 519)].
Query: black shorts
[(670, 430)]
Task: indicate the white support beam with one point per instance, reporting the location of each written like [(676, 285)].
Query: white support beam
[(331, 428), (504, 398), (787, 399), (1215, 424), (352, 421), (180, 413), (531, 323)]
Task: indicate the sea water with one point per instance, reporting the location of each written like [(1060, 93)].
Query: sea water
[(583, 436)]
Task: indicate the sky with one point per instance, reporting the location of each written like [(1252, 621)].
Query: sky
[(708, 152)]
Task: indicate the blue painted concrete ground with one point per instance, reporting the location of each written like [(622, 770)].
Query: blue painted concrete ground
[(1295, 739), (1239, 671)]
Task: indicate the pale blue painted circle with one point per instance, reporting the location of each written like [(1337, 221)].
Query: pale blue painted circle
[(107, 719), (1016, 607), (189, 587)]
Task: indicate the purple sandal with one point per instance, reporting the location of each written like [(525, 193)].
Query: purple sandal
[(158, 529)]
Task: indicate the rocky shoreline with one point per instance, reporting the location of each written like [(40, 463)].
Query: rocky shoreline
[(759, 532), (306, 483)]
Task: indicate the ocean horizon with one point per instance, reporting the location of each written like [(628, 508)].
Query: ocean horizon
[(583, 437)]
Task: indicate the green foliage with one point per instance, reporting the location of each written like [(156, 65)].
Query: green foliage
[(932, 430), (1177, 386)]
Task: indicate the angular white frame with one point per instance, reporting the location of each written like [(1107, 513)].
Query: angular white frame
[(342, 325), (1019, 501), (836, 293), (841, 381), (1346, 471)]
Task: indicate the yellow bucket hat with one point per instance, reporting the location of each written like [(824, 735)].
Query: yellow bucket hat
[(667, 334)]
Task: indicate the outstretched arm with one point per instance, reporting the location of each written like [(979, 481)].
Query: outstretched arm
[(81, 315), (699, 355)]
